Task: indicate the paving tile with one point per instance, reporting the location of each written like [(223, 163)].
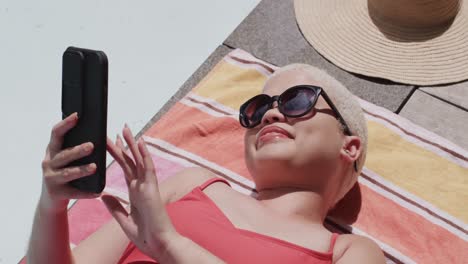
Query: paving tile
[(270, 33), (195, 78), (456, 94), (437, 116)]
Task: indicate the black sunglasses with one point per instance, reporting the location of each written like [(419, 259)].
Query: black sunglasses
[(296, 101)]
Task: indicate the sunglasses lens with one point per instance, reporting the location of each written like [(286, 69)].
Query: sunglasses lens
[(255, 109), (296, 102)]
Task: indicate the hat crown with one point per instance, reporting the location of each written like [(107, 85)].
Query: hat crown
[(415, 13)]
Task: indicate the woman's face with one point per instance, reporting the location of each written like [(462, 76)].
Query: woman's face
[(311, 147)]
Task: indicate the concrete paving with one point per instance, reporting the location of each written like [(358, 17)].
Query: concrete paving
[(456, 94), (270, 33), (438, 116)]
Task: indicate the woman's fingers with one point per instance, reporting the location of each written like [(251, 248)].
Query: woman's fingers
[(59, 130), (65, 175), (64, 157), (119, 142), (118, 153), (150, 172), (128, 160), (140, 165), (120, 214), (128, 136)]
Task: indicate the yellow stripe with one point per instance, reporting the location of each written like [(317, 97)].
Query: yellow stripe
[(417, 170), (231, 85)]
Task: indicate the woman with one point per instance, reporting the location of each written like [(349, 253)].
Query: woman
[(305, 144)]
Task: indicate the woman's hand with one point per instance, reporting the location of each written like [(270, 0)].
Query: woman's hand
[(55, 189), (147, 225)]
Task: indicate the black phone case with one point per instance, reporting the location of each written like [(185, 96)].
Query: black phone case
[(84, 90)]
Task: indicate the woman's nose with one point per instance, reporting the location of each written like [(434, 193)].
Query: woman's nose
[(273, 115)]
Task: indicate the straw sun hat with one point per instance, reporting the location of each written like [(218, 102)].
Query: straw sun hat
[(421, 42)]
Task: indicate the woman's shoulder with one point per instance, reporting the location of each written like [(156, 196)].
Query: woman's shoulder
[(352, 246)]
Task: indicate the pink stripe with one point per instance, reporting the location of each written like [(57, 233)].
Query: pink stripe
[(85, 217), (164, 169)]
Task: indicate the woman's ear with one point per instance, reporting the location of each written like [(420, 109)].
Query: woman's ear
[(351, 149)]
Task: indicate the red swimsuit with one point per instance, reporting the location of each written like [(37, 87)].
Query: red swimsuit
[(197, 217)]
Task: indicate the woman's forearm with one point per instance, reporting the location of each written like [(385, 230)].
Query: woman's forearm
[(49, 242), (184, 250)]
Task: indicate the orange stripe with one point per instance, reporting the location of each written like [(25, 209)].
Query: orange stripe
[(220, 140), (217, 139)]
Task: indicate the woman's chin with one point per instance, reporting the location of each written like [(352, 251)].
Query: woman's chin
[(274, 151), (272, 142)]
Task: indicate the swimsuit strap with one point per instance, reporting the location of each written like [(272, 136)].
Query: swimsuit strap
[(213, 180), (333, 241)]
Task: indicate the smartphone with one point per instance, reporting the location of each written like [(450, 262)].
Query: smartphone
[(84, 90)]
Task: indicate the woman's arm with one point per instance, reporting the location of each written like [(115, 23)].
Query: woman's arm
[(106, 245), (49, 237), (362, 250)]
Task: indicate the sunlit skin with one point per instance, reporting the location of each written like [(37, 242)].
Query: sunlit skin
[(298, 178)]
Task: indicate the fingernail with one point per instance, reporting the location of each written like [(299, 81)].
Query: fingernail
[(91, 167), (87, 147), (72, 117)]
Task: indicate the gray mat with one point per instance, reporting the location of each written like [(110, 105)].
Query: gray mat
[(270, 33)]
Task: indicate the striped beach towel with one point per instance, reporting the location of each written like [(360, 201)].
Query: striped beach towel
[(413, 189)]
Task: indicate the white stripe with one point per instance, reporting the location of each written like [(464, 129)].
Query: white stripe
[(229, 173), (244, 55), (213, 103), (240, 64), (416, 209), (181, 161), (201, 107), (168, 156)]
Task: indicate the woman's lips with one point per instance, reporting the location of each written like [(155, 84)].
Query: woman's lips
[(270, 134), (273, 136)]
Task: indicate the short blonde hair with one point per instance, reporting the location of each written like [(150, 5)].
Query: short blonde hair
[(349, 108)]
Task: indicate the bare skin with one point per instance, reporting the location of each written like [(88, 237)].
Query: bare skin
[(297, 179)]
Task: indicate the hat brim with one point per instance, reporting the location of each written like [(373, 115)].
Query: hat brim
[(344, 33)]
